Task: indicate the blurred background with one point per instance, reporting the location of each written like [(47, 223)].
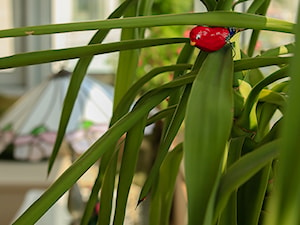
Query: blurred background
[(19, 179)]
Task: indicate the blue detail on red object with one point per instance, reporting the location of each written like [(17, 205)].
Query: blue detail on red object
[(211, 39)]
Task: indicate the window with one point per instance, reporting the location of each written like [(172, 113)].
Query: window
[(6, 22), (7, 44), (17, 13), (82, 10)]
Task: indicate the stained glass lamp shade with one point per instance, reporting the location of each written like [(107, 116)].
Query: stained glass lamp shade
[(28, 129)]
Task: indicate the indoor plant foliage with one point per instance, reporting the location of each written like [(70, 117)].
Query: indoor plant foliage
[(232, 147)]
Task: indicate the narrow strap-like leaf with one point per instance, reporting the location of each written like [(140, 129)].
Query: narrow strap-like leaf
[(208, 123), (75, 82), (45, 56), (229, 19), (87, 159), (243, 169)]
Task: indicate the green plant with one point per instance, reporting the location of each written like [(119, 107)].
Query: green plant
[(231, 145)]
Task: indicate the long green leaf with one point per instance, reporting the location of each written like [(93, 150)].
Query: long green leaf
[(123, 79), (245, 119), (75, 82), (277, 99), (128, 99), (253, 63), (184, 57), (122, 108), (162, 196), (251, 196), (73, 173), (224, 5), (281, 50), (128, 60), (259, 7), (104, 144), (31, 58), (161, 115), (243, 169), (256, 4), (172, 123), (172, 130), (285, 203), (107, 170), (207, 128), (265, 112), (218, 18), (133, 142), (209, 4), (229, 214)]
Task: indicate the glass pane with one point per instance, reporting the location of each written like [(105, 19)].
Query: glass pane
[(86, 10), (82, 10), (6, 21)]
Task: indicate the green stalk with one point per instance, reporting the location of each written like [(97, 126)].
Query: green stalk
[(265, 112), (281, 50), (184, 57), (145, 9), (277, 99), (161, 115), (107, 169), (224, 5), (163, 193), (255, 6), (245, 120), (251, 196), (284, 206), (128, 60), (273, 134), (253, 63), (259, 7), (229, 214), (209, 4)]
